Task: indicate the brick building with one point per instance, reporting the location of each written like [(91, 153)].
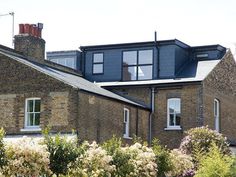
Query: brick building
[(36, 93), (149, 89)]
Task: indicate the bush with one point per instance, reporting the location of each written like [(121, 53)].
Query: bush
[(200, 139), (132, 161), (162, 156), (26, 158), (62, 152), (181, 163), (3, 159), (93, 163), (120, 157), (215, 164)]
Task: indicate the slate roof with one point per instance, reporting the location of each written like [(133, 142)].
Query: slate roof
[(194, 71), (68, 78)]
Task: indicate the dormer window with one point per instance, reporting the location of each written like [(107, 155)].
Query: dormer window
[(137, 65), (98, 62)]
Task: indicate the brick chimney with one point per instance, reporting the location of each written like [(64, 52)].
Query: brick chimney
[(29, 41)]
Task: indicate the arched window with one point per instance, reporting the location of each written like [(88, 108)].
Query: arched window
[(126, 123), (173, 113), (217, 114)]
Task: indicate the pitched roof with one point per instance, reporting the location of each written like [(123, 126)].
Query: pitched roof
[(194, 71), (68, 78)]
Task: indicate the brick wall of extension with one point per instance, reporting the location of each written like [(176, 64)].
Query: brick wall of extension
[(63, 108)]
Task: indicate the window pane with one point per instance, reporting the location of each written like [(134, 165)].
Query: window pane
[(30, 105), (97, 68), (177, 106), (129, 73), (37, 119), (30, 119), (144, 72), (98, 58), (130, 58), (124, 128), (171, 123), (37, 106), (62, 62), (70, 62), (145, 57), (125, 114), (178, 119)]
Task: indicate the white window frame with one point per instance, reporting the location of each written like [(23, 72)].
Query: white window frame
[(126, 124), (217, 114), (172, 127), (27, 127)]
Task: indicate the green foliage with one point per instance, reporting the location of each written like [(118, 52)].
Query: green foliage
[(3, 159), (62, 152), (215, 164), (200, 139), (163, 160), (120, 157)]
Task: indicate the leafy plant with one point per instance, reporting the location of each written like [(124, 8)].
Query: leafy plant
[(3, 159), (215, 164), (62, 152), (162, 156)]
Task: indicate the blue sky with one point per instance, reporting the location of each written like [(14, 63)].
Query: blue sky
[(69, 24)]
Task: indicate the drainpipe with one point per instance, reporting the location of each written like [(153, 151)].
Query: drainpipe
[(151, 114)]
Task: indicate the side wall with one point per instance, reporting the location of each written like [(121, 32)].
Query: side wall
[(221, 84), (19, 82), (191, 109), (101, 118)]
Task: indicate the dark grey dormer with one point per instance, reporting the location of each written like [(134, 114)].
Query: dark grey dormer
[(167, 59), (69, 58)]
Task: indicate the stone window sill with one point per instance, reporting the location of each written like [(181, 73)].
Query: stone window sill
[(127, 137), (173, 128), (31, 129)]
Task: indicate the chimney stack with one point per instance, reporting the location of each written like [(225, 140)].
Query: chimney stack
[(29, 41)]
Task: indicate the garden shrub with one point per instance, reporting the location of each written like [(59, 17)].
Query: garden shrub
[(181, 163), (93, 163), (143, 159), (200, 139), (3, 159), (62, 152), (215, 164), (135, 160), (162, 156), (26, 157), (120, 157)]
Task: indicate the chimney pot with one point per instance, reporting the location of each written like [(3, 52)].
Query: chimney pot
[(21, 28), (31, 45), (27, 28)]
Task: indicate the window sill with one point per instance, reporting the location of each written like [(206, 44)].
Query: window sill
[(173, 128), (31, 129), (127, 137)]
